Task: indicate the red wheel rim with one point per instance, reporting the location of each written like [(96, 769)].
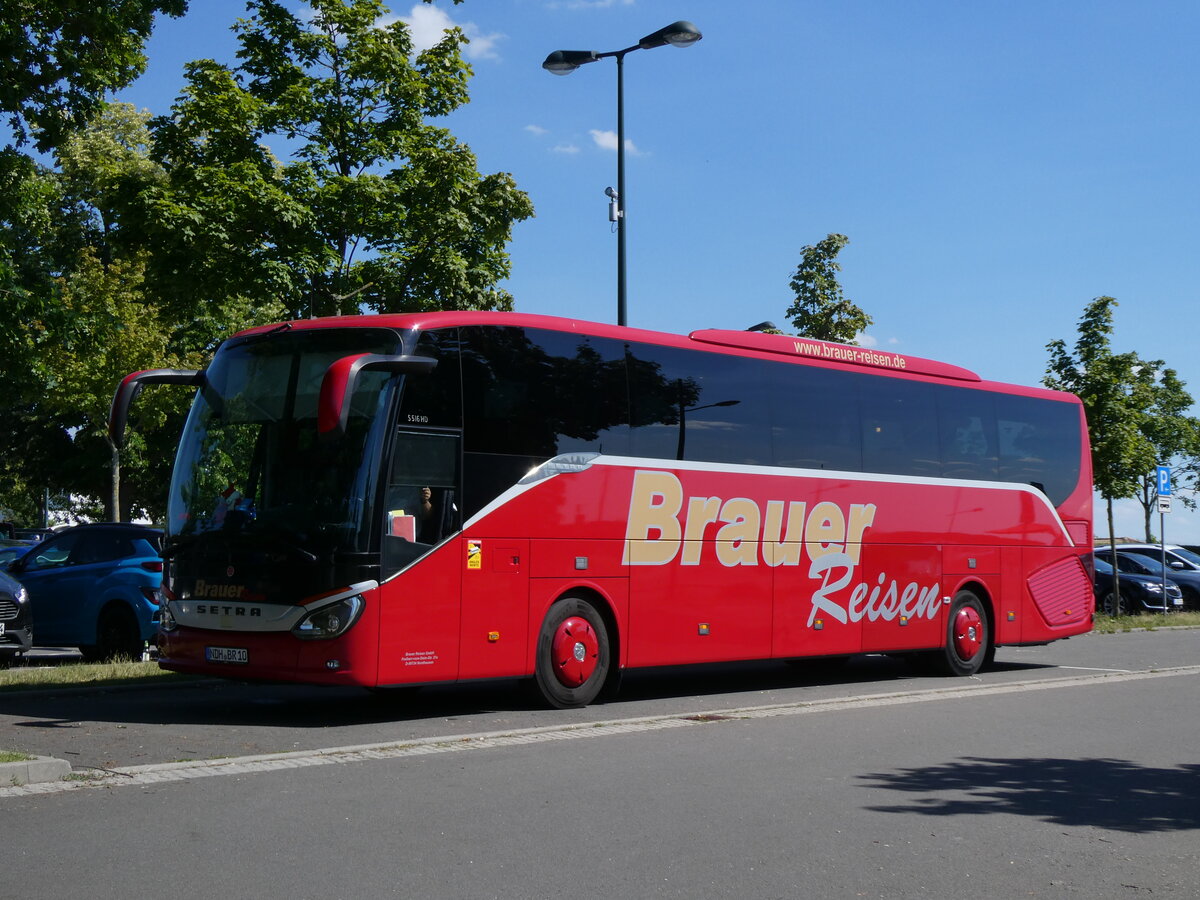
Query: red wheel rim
[(968, 633), (575, 651)]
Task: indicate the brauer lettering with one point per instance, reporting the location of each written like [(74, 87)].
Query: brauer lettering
[(217, 591), (830, 536)]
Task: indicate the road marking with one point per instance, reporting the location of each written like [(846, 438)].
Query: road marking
[(163, 773), (1093, 669)]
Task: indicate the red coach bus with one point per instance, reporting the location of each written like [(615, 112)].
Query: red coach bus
[(407, 499)]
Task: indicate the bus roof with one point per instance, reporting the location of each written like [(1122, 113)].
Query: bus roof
[(822, 353)]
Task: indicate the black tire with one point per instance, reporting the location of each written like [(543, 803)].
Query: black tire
[(117, 636), (1114, 605), (573, 654), (968, 636)]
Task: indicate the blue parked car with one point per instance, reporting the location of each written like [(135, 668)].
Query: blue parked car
[(94, 587)]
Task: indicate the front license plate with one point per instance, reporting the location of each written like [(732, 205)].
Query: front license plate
[(1177, 601), (227, 654)]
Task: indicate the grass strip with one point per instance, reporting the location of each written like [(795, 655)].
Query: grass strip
[(76, 674)]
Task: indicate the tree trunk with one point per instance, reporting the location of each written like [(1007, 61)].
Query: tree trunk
[(114, 493)]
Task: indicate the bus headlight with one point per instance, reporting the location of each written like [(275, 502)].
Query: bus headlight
[(330, 621)]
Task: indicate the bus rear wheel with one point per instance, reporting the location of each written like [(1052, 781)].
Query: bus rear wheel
[(968, 636), (573, 654)]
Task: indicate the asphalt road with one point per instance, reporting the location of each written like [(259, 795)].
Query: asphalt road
[(1069, 771)]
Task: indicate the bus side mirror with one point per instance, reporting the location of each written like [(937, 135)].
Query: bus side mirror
[(337, 387), (132, 385)]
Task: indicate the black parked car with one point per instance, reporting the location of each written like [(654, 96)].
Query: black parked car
[(1139, 593), (1180, 562), (1136, 562), (16, 632)]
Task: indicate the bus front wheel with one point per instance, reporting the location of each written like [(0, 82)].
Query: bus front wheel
[(572, 654), (968, 636)]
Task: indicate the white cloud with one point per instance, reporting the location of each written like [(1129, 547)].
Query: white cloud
[(427, 24), (865, 340), (607, 140), (536, 130), (566, 148)]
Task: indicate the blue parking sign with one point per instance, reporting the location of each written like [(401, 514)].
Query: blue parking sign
[(1164, 481)]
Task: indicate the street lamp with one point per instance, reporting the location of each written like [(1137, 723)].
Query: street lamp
[(683, 425), (564, 62)]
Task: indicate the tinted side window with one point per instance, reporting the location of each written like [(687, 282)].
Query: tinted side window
[(1039, 443), (55, 552), (529, 395), (899, 428), (540, 393), (967, 433), (101, 546), (434, 399), (816, 418), (701, 406)]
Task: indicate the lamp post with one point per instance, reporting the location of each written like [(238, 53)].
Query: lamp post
[(564, 62)]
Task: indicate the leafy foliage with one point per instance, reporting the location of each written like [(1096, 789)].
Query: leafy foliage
[(1117, 390), (145, 243), (374, 209), (1175, 437), (820, 309), (59, 58)]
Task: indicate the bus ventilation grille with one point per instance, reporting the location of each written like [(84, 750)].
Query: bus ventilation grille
[(1062, 592)]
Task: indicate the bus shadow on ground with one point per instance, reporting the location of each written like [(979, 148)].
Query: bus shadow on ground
[(291, 706), (770, 675), (1114, 794)]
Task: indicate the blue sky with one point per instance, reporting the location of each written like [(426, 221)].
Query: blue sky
[(995, 165)]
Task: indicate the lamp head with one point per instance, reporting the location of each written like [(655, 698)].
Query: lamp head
[(564, 62), (677, 34)]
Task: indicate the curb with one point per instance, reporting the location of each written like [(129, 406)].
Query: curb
[(33, 771)]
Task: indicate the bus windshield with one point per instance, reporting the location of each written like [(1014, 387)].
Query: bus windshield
[(250, 461)]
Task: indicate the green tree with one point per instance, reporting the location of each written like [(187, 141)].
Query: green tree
[(1175, 437), (58, 61), (1116, 390), (102, 330), (374, 208), (820, 309), (95, 324), (60, 58)]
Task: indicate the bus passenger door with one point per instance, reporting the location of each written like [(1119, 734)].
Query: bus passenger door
[(420, 567), (495, 608)]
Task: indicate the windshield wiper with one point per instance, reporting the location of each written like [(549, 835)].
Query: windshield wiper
[(262, 335)]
